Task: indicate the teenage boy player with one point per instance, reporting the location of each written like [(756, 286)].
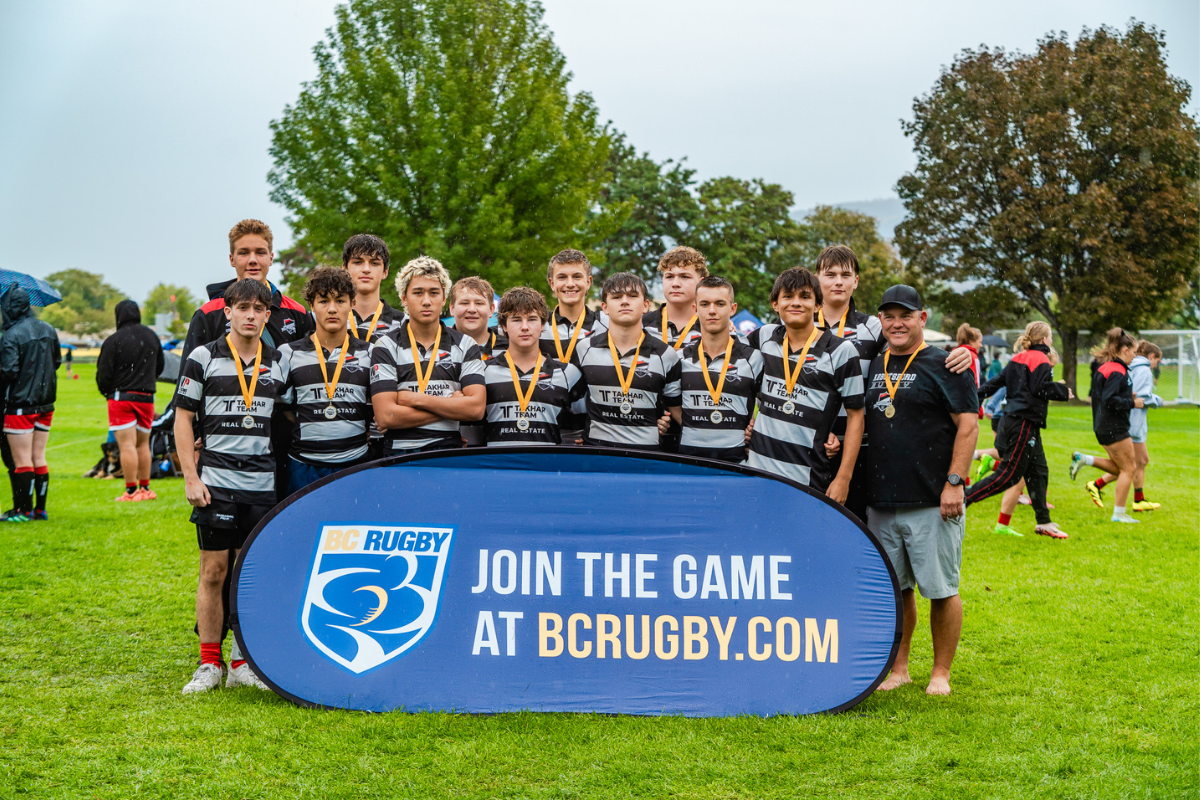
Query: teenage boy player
[(231, 385), (366, 259), (838, 270), (720, 375), (526, 391), (923, 421), (425, 378), (676, 323), (570, 277), (809, 376), (632, 378), (328, 384)]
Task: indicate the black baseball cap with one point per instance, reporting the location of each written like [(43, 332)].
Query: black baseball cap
[(902, 295)]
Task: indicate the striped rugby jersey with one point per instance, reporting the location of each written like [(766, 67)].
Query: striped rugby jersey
[(474, 434), (389, 320), (724, 440), (655, 387), (652, 325), (793, 445), (594, 322), (237, 464), (558, 385), (315, 438), (458, 364), (865, 332)]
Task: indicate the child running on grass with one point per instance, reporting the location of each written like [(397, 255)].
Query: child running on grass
[(1112, 400), (1141, 373)]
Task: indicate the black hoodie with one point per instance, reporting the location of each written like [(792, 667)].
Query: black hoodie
[(131, 359), (29, 356)]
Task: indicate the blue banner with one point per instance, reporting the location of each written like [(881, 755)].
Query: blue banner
[(566, 579)]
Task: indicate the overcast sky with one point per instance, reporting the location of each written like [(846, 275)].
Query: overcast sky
[(134, 134)]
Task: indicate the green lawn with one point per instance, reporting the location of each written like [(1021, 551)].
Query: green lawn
[(1077, 675)]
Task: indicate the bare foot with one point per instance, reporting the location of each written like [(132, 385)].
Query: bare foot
[(938, 685), (894, 681)]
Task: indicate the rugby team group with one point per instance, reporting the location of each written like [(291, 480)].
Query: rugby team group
[(852, 405)]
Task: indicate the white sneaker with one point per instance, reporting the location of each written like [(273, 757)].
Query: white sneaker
[(244, 676), (207, 676), (1124, 518)]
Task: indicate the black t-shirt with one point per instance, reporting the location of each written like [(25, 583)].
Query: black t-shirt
[(909, 457)]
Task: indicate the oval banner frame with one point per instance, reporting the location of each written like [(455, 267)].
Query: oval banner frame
[(649, 583)]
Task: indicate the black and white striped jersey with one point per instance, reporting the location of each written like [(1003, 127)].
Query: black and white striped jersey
[(558, 385), (474, 434), (594, 322), (652, 325), (865, 332), (237, 462), (317, 439), (725, 439), (793, 444), (389, 320), (654, 388), (458, 364)]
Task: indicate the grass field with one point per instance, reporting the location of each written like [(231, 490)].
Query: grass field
[(1077, 675)]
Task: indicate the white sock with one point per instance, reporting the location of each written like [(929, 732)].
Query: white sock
[(1089, 461), (1118, 511), (977, 456), (235, 652)]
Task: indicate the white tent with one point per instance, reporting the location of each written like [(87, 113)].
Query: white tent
[(937, 336)]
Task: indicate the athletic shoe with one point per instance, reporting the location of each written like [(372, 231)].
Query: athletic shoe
[(1145, 505), (1006, 530), (244, 676), (127, 497), (146, 494), (986, 465), (207, 676), (1076, 463), (40, 516), (1124, 518), (1025, 501), (1050, 529), (15, 516), (1094, 492)]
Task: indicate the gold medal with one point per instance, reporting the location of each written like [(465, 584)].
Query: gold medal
[(890, 411), (789, 377), (247, 392), (422, 382), (331, 388), (666, 331), (626, 381), (565, 357), (523, 400), (715, 394)]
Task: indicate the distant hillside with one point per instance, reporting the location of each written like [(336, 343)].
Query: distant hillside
[(887, 211)]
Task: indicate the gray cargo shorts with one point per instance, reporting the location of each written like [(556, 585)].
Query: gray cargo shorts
[(925, 550)]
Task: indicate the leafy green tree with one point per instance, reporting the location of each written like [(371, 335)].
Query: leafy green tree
[(167, 298), (1067, 177), (447, 128), (87, 305)]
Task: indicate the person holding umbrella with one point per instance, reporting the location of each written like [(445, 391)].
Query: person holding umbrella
[(29, 357)]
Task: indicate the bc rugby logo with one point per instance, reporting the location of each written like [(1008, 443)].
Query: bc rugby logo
[(373, 591)]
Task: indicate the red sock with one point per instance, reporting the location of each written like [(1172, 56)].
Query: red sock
[(210, 653), (41, 470), (1138, 497), (19, 470), (1100, 482), (144, 484), (236, 664), (1005, 519)]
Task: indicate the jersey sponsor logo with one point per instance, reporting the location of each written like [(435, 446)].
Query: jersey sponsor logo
[(642, 370), (883, 402), (186, 383), (373, 591), (289, 326)]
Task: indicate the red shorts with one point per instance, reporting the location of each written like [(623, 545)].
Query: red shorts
[(27, 423), (124, 414)]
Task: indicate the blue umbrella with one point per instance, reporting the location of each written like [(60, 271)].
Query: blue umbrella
[(40, 292)]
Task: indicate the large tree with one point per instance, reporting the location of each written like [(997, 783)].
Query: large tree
[(87, 305), (167, 298), (446, 127), (1067, 177)]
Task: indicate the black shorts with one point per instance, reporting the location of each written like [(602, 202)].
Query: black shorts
[(222, 525), (1107, 438)]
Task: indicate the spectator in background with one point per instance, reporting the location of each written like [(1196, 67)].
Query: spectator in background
[(971, 339), (29, 357), (129, 364)]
